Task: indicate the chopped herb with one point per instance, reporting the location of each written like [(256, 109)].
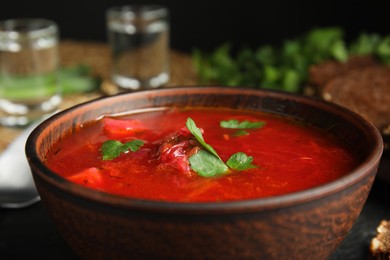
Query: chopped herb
[(198, 135), (240, 161), (241, 133), (235, 124), (111, 149), (206, 164)]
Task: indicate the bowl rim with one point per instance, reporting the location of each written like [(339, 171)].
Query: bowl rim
[(251, 205)]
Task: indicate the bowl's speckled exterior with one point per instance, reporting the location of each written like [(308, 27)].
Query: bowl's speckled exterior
[(304, 225)]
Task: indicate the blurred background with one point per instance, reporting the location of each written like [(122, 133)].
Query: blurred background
[(203, 25), (207, 24)]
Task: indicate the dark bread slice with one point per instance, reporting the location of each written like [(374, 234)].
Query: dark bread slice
[(365, 91), (320, 74)]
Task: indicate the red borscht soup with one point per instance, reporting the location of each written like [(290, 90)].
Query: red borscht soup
[(199, 155)]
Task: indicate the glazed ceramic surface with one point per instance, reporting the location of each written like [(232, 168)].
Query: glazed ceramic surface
[(303, 225)]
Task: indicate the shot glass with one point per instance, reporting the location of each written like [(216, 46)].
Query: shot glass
[(139, 41), (29, 62)]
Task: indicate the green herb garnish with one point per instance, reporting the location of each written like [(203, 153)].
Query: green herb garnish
[(241, 133), (111, 149), (240, 161), (235, 124), (206, 164), (198, 135)]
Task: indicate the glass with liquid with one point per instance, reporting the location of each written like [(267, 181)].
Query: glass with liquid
[(139, 41), (29, 61)]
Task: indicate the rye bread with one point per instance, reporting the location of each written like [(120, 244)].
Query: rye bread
[(320, 74), (380, 245), (365, 91)]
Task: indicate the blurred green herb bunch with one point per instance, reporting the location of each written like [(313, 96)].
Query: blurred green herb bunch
[(285, 67)]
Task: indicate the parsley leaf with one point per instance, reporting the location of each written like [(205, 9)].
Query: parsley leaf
[(198, 135), (235, 124), (240, 161), (111, 149), (206, 164), (241, 133)]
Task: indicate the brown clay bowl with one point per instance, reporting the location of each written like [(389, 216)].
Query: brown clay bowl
[(305, 225)]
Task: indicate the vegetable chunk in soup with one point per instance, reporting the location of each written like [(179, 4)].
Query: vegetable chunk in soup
[(199, 155)]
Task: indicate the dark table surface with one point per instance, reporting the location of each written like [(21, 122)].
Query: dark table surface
[(29, 233)]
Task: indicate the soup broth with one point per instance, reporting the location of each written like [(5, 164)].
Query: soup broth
[(284, 156)]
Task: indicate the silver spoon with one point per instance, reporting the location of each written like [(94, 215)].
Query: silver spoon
[(17, 188)]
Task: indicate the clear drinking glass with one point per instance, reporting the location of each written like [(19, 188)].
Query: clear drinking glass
[(139, 41), (29, 61)]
